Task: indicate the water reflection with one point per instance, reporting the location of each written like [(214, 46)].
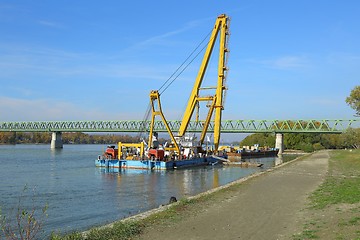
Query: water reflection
[(155, 187), (216, 178), (56, 150)]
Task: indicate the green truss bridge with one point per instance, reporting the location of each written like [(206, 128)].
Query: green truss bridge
[(279, 127), (227, 126)]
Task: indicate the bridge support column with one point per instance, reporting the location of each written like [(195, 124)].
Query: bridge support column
[(56, 140), (279, 143)]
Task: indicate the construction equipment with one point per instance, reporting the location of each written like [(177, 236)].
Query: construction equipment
[(131, 151), (182, 146)]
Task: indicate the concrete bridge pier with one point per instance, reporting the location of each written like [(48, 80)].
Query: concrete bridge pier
[(279, 143), (56, 140)]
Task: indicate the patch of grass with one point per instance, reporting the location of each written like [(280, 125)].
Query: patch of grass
[(355, 210), (166, 217), (342, 223), (120, 231), (354, 221), (346, 161), (311, 229), (349, 222), (342, 184), (335, 190), (71, 236), (306, 234)]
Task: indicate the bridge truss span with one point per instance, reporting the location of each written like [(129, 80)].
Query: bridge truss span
[(227, 126), (290, 126)]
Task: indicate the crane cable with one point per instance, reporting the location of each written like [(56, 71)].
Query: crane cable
[(143, 126), (166, 85)]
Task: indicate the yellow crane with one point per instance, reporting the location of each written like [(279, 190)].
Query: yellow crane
[(216, 101), (220, 28)]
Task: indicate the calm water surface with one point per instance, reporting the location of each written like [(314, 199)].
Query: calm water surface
[(80, 196)]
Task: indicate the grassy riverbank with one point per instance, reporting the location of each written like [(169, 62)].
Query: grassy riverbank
[(334, 211)]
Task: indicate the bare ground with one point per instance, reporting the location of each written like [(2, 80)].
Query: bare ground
[(270, 206)]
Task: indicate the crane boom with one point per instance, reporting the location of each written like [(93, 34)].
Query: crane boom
[(221, 26)]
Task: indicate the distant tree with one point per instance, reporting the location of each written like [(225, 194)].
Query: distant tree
[(333, 141), (352, 138), (318, 146), (354, 100), (12, 139), (263, 139), (67, 138), (8, 137)]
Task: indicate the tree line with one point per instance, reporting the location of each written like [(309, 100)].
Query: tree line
[(307, 142), (67, 138)]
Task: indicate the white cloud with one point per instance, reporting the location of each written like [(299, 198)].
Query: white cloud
[(289, 62), (325, 102), (50, 24), (4, 6), (160, 39), (18, 60), (16, 109), (343, 58), (286, 62)]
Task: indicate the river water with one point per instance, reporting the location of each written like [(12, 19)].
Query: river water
[(80, 196)]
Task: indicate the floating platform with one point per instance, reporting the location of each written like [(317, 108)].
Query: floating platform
[(155, 165), (235, 156)]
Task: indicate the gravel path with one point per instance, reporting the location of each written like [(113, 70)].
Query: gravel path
[(265, 207)]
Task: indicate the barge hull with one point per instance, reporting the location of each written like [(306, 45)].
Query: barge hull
[(154, 165)]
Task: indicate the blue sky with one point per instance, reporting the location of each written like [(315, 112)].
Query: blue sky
[(98, 60)]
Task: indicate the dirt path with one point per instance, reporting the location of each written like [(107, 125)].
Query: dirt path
[(265, 207)]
